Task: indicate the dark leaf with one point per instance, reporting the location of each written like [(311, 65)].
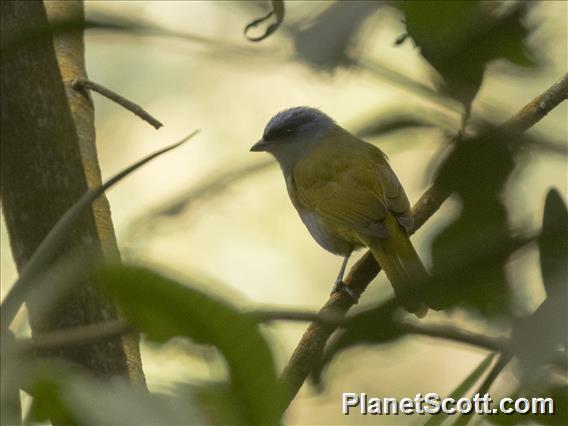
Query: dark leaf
[(538, 338), (469, 254), (329, 41), (459, 38), (163, 308), (219, 402), (468, 267), (48, 404), (373, 326), (66, 396)]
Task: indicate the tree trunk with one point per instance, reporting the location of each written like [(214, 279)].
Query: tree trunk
[(49, 159)]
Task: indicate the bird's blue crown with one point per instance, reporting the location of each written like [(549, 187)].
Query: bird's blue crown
[(302, 119)]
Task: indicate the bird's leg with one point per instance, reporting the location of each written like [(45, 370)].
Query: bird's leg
[(340, 285)]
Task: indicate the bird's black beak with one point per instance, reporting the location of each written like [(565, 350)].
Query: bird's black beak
[(260, 146)]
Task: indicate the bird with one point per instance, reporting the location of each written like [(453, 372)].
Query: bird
[(347, 195)]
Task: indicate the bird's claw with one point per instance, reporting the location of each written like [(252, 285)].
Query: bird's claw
[(341, 286)]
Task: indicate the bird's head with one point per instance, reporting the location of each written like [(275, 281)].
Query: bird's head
[(290, 133)]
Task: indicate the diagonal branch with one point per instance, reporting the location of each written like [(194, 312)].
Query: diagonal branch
[(312, 343), (85, 84)]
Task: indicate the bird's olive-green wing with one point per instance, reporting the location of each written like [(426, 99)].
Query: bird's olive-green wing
[(353, 186), (342, 200)]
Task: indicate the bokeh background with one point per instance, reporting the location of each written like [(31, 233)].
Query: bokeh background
[(241, 238)]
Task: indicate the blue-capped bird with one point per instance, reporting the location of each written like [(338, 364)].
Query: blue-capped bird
[(347, 195)]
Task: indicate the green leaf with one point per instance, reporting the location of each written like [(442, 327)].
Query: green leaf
[(373, 326), (533, 346), (48, 404), (219, 401), (67, 396), (470, 253), (459, 38), (463, 387), (163, 308)]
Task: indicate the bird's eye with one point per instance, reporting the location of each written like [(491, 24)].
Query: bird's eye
[(288, 131)]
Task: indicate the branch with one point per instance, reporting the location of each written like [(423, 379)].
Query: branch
[(447, 332), (83, 335), (497, 344), (75, 336), (311, 345), (540, 106), (82, 84)]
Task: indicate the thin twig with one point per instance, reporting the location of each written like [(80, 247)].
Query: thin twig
[(82, 84), (87, 334), (278, 11), (311, 345), (75, 336), (447, 332), (47, 249), (498, 344), (540, 106), (209, 187)]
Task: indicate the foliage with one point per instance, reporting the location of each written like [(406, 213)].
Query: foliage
[(163, 308), (459, 38), (470, 253), (68, 396), (533, 346)]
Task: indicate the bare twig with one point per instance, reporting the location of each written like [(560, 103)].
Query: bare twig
[(540, 106), (312, 343), (278, 11), (83, 84), (500, 344), (447, 332), (209, 187)]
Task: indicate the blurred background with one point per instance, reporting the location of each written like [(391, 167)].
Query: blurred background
[(214, 212)]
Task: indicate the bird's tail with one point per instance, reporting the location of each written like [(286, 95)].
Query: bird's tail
[(401, 263)]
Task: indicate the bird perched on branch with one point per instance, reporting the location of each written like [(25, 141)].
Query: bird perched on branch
[(347, 195)]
